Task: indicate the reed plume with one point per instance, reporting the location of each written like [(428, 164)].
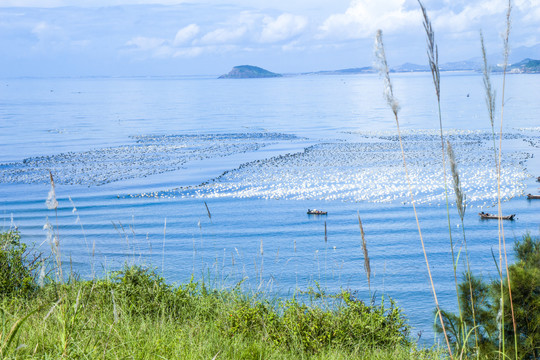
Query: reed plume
[(433, 59), (490, 92), (382, 65), (208, 211), (506, 52), (367, 266), (52, 204), (461, 198), (432, 52), (461, 204)]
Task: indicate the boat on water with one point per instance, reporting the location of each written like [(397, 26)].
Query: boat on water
[(484, 215), (316, 212), (531, 196)]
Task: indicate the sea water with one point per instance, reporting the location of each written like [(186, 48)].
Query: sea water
[(213, 178)]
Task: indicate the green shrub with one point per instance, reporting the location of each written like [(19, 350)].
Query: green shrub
[(16, 266), (525, 284), (294, 325)]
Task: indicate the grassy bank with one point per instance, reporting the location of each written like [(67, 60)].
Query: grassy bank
[(135, 314)]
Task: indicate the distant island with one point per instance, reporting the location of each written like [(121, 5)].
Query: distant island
[(248, 72)]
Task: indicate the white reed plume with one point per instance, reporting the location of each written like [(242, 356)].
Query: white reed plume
[(367, 266), (499, 205), (51, 202), (432, 52), (41, 278), (490, 92), (392, 102), (461, 198), (382, 66)]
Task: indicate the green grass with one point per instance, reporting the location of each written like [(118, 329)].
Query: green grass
[(136, 315)]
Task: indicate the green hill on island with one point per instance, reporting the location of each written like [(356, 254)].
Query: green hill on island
[(248, 72)]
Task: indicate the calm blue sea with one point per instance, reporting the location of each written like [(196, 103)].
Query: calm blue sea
[(194, 175)]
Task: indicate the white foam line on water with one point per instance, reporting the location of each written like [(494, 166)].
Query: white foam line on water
[(371, 171), (366, 166)]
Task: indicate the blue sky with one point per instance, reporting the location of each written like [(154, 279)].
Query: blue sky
[(172, 37)]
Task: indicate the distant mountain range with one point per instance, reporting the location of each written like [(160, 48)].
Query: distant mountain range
[(521, 61), (528, 65)]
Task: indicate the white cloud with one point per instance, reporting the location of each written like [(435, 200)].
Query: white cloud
[(531, 10), (471, 17), (186, 34), (146, 43), (282, 28), (47, 32), (293, 46), (93, 3), (237, 28), (364, 17), (189, 52), (40, 28), (224, 35)]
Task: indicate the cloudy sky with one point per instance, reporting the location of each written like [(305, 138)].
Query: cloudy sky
[(177, 37)]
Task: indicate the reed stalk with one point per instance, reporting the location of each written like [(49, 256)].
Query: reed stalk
[(78, 221), (325, 254), (52, 204), (261, 252), (394, 106), (461, 204), (208, 211), (163, 249), (433, 59), (490, 102), (505, 68)]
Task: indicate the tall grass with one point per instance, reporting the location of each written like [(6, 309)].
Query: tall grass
[(136, 314), (432, 52), (433, 60), (506, 52), (367, 265), (461, 204), (392, 102), (53, 236), (490, 103)]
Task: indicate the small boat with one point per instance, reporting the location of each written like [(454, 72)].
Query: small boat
[(316, 212), (531, 196), (484, 215)]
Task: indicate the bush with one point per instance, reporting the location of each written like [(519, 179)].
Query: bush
[(525, 283), (16, 266), (294, 325)]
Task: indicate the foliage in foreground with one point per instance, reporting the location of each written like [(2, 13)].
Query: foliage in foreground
[(525, 283), (16, 266), (135, 314)]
